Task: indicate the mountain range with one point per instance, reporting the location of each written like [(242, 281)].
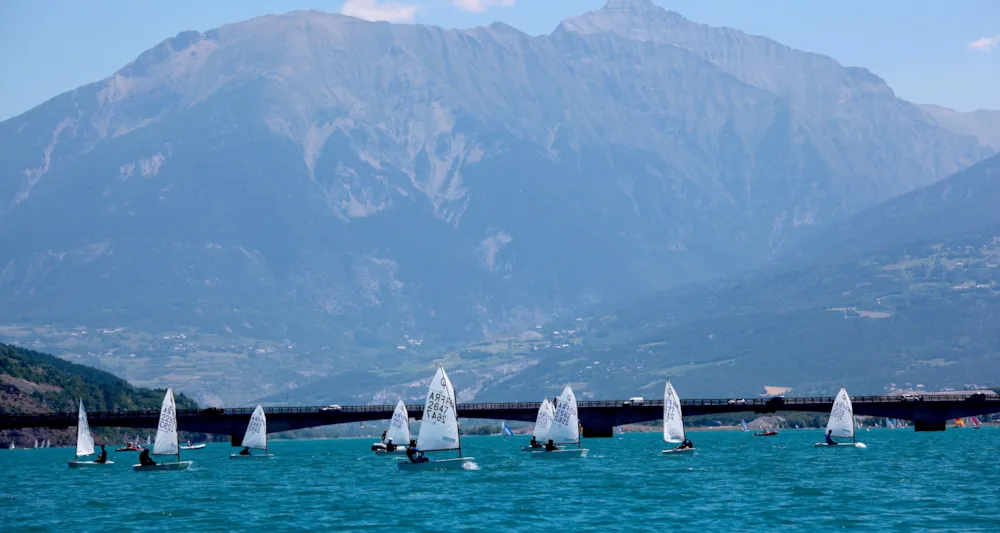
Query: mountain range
[(256, 207)]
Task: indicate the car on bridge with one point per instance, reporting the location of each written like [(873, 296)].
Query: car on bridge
[(333, 407), (737, 401), (634, 401), (213, 411), (912, 398)]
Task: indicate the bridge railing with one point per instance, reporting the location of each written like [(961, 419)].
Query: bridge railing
[(750, 403)]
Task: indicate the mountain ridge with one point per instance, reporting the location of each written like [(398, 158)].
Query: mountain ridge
[(310, 192)]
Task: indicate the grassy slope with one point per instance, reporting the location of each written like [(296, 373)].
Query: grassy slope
[(34, 382)]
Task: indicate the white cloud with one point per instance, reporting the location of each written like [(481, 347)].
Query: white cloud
[(376, 10), (478, 6), (985, 43)]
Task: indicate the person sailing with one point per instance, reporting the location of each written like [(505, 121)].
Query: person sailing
[(829, 438), (534, 442), (384, 433), (414, 454), (551, 446), (685, 445), (245, 451), (389, 446), (103, 458), (145, 459)]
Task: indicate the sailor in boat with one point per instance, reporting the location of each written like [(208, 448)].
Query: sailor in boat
[(389, 446), (384, 433), (551, 446), (145, 459), (245, 451), (534, 443), (685, 445), (414, 454), (103, 458), (829, 438)]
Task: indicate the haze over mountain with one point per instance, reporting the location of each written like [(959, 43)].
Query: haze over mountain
[(298, 194)]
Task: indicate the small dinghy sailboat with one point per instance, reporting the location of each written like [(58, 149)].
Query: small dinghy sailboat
[(439, 428), (84, 443), (841, 424), (565, 429), (166, 439), (398, 432), (543, 423), (673, 421), (256, 437)]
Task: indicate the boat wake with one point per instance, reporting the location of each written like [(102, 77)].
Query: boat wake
[(471, 465)]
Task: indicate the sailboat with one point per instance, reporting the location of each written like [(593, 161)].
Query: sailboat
[(505, 430), (565, 429), (842, 423), (975, 422), (84, 442), (256, 436), (959, 423), (36, 444), (166, 438), (439, 429), (543, 422), (743, 426), (619, 430), (398, 432), (673, 420)]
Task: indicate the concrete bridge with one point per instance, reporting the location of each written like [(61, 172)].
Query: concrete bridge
[(597, 417)]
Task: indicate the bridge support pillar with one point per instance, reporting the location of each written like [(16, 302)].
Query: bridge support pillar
[(924, 425), (598, 432)]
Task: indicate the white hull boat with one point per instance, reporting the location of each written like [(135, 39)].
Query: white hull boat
[(530, 449), (193, 447), (162, 467), (842, 424), (87, 464), (560, 454), (461, 463), (439, 429), (255, 437), (166, 439), (675, 451)]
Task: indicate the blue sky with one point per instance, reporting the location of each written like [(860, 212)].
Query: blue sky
[(922, 47)]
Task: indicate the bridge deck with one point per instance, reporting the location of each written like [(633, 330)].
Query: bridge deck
[(597, 417)]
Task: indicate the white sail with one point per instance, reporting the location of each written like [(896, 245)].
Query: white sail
[(673, 420), (166, 432), (84, 440), (399, 426), (439, 429), (842, 416), (543, 424), (566, 423), (256, 435)]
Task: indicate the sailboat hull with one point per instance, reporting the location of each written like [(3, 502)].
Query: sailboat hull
[(674, 451), (399, 450), (194, 447), (840, 445), (87, 464), (442, 464), (162, 467), (258, 456), (530, 449), (560, 454)]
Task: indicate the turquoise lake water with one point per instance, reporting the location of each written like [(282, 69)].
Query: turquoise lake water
[(904, 481)]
